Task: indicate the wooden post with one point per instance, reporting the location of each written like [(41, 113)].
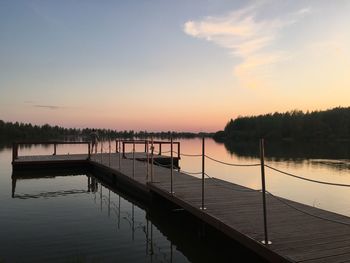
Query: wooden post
[(14, 151), (89, 151), (262, 162), (171, 165), (145, 145), (178, 150), (203, 173), (116, 146), (124, 150), (160, 148), (54, 149)]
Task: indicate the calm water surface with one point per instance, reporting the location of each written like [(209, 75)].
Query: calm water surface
[(67, 217), (70, 216)]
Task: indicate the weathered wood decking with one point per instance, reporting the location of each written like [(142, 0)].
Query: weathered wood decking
[(233, 209)]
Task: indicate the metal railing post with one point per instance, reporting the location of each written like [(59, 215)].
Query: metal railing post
[(119, 155), (203, 173), (160, 148), (147, 155), (54, 149), (133, 159), (109, 153), (101, 152), (262, 162), (152, 149), (124, 150), (171, 166)]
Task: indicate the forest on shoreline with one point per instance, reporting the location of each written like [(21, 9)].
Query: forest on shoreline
[(14, 131), (332, 124)]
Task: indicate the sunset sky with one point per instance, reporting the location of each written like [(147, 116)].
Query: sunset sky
[(170, 65)]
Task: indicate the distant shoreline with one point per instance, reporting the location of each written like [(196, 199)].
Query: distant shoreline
[(317, 126), (12, 131)]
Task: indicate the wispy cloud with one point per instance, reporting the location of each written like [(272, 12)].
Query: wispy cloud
[(50, 107), (247, 36)]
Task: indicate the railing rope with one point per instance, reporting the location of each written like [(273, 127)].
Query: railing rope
[(306, 179), (231, 164)]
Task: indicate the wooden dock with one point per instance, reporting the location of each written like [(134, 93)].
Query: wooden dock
[(299, 233)]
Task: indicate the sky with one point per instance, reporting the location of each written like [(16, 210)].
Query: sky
[(159, 65)]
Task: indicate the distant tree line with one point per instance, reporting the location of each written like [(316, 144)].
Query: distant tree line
[(29, 132), (332, 124)]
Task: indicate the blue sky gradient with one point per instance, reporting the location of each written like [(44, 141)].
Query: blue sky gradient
[(170, 65)]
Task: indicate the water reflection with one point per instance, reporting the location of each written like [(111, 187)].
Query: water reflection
[(284, 151), (143, 232)]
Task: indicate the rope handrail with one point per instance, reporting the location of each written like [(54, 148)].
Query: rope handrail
[(306, 179), (305, 212), (227, 187), (231, 164)]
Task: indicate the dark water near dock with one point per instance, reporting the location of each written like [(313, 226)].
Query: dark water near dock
[(71, 216)]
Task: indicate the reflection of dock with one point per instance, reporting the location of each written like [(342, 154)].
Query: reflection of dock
[(49, 174), (299, 233)]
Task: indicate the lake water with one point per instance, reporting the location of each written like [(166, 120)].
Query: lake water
[(57, 217), (70, 216)]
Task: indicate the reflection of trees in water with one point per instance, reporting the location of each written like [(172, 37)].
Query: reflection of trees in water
[(335, 155), (291, 150)]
